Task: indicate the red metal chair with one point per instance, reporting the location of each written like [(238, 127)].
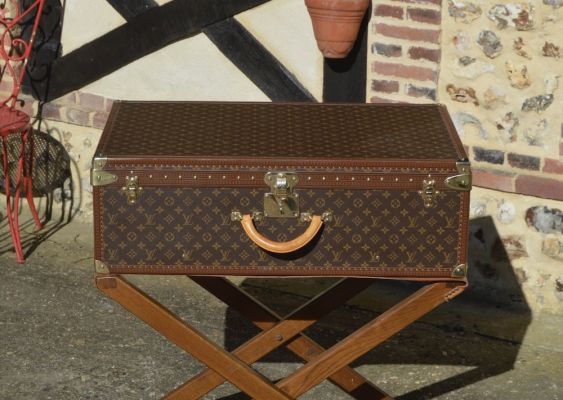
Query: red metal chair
[(18, 25)]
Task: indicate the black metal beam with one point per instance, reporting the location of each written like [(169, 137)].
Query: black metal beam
[(129, 9), (345, 79), (144, 34), (256, 62)]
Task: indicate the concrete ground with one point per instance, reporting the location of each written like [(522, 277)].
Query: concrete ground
[(60, 338)]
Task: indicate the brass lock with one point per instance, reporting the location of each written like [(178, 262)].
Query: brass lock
[(429, 193), (132, 189), (281, 202)]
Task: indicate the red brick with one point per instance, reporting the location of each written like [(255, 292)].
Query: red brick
[(424, 15), (76, 116), (388, 50), (401, 32), (100, 119), (51, 111), (377, 99), (405, 71), (109, 104), (539, 187), (383, 10), (422, 53), (491, 179), (91, 101), (419, 91), (553, 166), (523, 161), (378, 85)]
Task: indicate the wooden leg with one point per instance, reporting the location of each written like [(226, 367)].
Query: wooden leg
[(189, 339), (369, 336), (277, 334)]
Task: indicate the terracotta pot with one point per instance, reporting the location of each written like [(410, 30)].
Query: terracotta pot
[(336, 24)]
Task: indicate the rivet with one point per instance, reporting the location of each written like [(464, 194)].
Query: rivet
[(382, 178), (195, 176), (224, 177), (179, 176), (165, 176), (150, 176), (410, 179), (324, 178), (252, 177), (368, 179), (353, 178), (308, 178), (209, 177), (238, 177), (396, 179), (337, 178)]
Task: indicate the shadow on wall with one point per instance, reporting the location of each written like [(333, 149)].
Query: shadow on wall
[(52, 184), (478, 334)]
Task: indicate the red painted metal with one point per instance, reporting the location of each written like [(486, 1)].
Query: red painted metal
[(16, 45)]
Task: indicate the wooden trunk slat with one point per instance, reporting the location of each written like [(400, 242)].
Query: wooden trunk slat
[(367, 337)]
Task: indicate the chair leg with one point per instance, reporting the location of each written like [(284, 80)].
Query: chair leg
[(28, 179), (11, 213)]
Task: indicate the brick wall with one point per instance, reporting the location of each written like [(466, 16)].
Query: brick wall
[(404, 51)]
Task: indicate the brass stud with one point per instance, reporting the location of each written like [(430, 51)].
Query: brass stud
[(368, 179), (150, 176), (396, 179), (410, 179), (308, 178), (337, 178), (252, 177), (238, 177), (165, 176), (382, 178), (324, 178), (353, 178), (224, 177), (195, 176), (179, 176), (209, 177)]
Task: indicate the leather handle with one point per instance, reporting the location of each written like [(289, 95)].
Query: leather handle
[(281, 247)]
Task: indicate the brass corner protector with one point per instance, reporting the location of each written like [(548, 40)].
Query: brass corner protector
[(100, 267), (460, 271), (462, 181), (99, 177)]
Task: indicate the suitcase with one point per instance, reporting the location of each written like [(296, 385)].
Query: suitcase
[(272, 189)]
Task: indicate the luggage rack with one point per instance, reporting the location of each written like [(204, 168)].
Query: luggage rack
[(321, 364)]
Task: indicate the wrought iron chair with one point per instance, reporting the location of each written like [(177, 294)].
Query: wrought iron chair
[(18, 25)]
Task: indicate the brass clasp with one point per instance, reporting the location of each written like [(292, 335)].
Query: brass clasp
[(132, 189), (429, 193), (281, 202)]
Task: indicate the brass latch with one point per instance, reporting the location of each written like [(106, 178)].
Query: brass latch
[(281, 202), (461, 181), (132, 189), (429, 193), (99, 177)]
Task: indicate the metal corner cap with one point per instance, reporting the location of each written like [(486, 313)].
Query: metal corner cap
[(460, 271), (100, 267)]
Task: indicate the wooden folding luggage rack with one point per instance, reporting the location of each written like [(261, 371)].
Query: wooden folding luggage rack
[(128, 191)]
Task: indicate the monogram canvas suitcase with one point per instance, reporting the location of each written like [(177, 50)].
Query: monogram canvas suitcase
[(270, 189)]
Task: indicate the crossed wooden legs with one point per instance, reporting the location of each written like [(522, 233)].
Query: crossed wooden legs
[(321, 364)]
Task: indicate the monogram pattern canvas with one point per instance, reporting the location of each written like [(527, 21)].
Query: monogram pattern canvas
[(374, 232), (274, 130)]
